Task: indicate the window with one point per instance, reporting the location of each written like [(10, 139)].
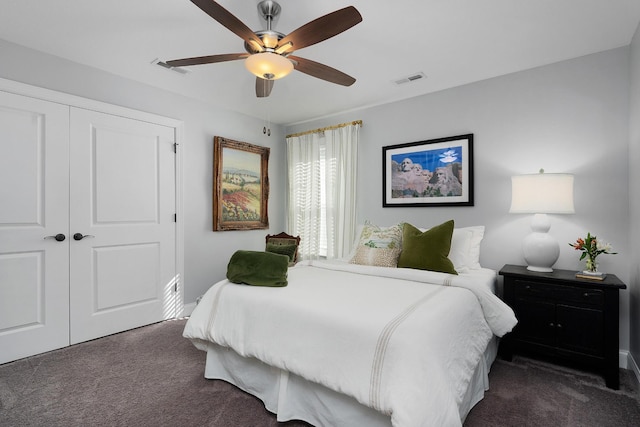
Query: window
[(322, 168)]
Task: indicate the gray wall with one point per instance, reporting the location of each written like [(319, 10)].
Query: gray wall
[(206, 252), (634, 199), (571, 117)]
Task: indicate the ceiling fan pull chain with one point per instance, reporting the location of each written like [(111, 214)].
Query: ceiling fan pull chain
[(268, 118), (266, 121)]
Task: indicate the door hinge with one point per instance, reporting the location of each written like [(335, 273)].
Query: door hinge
[(175, 287), (175, 147), (175, 217)]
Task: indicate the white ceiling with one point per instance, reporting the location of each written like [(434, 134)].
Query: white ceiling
[(453, 42)]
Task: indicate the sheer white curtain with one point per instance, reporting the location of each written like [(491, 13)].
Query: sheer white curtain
[(322, 171)]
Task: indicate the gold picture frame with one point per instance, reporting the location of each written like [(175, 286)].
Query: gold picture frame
[(240, 185)]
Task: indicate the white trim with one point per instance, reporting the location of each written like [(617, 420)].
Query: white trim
[(187, 309), (623, 359), (41, 93), (24, 89), (631, 364), (179, 139)]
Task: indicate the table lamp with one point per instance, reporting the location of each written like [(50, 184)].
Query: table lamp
[(541, 194)]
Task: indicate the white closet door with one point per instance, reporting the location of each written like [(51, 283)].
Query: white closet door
[(123, 203), (34, 204)]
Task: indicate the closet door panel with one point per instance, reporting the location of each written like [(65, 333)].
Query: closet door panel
[(123, 202), (34, 207)]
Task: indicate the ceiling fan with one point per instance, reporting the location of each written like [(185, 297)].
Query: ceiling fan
[(269, 53)]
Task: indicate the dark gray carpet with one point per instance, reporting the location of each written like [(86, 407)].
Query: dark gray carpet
[(527, 392), (152, 376)]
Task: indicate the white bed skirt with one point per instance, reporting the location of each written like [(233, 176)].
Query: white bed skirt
[(291, 397)]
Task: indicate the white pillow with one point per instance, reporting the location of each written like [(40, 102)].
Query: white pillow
[(460, 249), (477, 234), (465, 248)]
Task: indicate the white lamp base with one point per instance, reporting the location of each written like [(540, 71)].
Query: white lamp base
[(540, 249)]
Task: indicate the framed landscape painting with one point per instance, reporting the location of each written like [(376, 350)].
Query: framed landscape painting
[(240, 185), (437, 172)]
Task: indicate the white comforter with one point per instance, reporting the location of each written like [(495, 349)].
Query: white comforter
[(401, 345)]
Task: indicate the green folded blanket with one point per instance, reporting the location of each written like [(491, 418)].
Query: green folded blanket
[(258, 268)]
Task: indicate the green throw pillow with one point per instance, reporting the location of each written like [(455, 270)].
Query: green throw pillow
[(288, 250), (428, 250), (258, 268)]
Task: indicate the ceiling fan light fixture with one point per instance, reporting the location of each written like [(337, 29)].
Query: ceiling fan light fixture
[(284, 48), (268, 65), (255, 46), (270, 39)]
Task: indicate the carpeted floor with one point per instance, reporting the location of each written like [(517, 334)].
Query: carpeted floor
[(527, 392), (152, 376)]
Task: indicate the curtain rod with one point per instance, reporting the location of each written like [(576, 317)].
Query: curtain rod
[(341, 125)]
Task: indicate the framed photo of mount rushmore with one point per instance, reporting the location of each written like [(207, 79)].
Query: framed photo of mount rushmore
[(437, 172)]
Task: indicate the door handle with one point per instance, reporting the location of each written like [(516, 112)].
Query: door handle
[(59, 237), (80, 236)]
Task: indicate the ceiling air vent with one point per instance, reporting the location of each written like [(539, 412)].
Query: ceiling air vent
[(411, 78), (168, 67)]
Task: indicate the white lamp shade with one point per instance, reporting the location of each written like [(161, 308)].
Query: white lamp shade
[(268, 65), (550, 193)]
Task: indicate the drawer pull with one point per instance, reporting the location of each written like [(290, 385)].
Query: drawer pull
[(559, 325), (552, 325)]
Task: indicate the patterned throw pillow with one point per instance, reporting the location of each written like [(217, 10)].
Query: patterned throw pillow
[(379, 246), (374, 236), (383, 257)]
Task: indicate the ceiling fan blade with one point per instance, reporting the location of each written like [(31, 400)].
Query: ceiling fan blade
[(263, 87), (321, 71), (226, 18), (198, 60), (322, 28)]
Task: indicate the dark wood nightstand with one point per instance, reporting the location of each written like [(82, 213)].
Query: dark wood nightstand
[(564, 318)]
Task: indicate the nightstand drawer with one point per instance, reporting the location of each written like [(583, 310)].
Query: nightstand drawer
[(582, 296), (528, 289)]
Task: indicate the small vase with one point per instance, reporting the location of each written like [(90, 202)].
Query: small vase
[(592, 267)]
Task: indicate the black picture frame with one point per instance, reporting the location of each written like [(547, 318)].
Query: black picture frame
[(435, 172)]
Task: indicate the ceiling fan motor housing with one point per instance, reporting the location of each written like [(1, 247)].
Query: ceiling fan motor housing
[(269, 10), (266, 36)]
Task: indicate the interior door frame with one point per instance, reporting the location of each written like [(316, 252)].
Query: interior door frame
[(23, 89)]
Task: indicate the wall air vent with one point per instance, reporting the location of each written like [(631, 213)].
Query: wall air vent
[(412, 78), (167, 67)]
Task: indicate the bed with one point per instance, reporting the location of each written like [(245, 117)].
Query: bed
[(347, 344)]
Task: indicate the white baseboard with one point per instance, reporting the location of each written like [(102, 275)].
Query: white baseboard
[(631, 365), (187, 309), (623, 359)]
